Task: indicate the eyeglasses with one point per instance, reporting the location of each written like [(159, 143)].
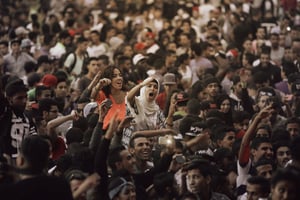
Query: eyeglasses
[(263, 93)]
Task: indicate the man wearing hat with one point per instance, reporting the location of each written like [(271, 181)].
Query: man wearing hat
[(169, 84), (14, 62)]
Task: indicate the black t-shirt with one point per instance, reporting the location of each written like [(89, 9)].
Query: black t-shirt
[(40, 187)]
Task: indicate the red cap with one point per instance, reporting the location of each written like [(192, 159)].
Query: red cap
[(150, 35), (49, 80), (139, 46)]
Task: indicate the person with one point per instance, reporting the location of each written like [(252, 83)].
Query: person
[(92, 70), (284, 185), (199, 180), (147, 114), (14, 62), (15, 124), (121, 189), (31, 162), (257, 187), (115, 92)]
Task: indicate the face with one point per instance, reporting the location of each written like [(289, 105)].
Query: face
[(141, 149), (262, 132), (151, 91), (225, 106), (127, 193), (93, 67), (264, 60), (264, 149), (61, 89), (227, 141), (15, 47), (212, 89), (247, 46), (18, 101), (128, 51), (52, 114), (3, 49), (253, 192), (265, 171), (83, 46), (128, 161), (260, 34), (117, 80), (284, 190), (293, 129), (283, 155), (263, 102), (102, 65), (46, 94), (274, 41), (196, 182), (242, 125), (94, 37)]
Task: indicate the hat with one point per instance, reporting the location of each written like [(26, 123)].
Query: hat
[(49, 80), (43, 59), (150, 35), (209, 80), (139, 46), (169, 79), (26, 43), (21, 30), (232, 53), (88, 108), (75, 174), (116, 185), (137, 58), (196, 128), (181, 97)]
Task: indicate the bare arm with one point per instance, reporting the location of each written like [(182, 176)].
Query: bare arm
[(159, 132), (250, 133), (60, 120)]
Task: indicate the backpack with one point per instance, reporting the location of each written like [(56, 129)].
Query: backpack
[(65, 56)]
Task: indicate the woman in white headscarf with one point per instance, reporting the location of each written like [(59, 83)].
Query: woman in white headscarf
[(143, 108)]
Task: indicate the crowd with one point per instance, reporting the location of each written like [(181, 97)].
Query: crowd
[(150, 99)]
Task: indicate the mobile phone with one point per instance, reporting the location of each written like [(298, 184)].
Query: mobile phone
[(163, 140)]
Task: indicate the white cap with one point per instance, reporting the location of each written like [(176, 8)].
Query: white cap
[(137, 58), (21, 30), (88, 108)]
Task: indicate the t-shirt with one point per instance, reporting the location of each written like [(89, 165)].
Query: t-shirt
[(40, 187)]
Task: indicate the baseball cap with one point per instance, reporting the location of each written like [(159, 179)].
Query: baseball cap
[(196, 128), (26, 43), (137, 58), (88, 108), (169, 79), (21, 30), (116, 185), (49, 80)]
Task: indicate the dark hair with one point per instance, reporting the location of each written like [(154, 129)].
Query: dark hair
[(162, 182), (256, 142), (15, 86), (132, 139), (74, 135), (286, 174), (91, 59), (220, 132), (46, 104), (263, 161), (114, 156), (203, 165), (108, 73), (35, 151), (293, 120), (262, 182), (39, 89), (295, 148)]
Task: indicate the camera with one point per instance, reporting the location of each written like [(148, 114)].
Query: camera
[(165, 141)]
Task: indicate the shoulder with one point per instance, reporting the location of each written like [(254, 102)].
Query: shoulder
[(218, 196)]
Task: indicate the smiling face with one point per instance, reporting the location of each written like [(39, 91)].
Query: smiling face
[(117, 79), (141, 149)]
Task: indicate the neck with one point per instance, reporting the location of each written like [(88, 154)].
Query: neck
[(141, 164)]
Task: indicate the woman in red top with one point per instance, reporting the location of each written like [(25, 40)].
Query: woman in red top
[(115, 92)]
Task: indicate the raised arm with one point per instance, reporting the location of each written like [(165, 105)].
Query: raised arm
[(135, 90), (250, 133)]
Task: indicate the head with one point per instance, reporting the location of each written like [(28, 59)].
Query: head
[(42, 92), (33, 155), (257, 187), (223, 103), (150, 91), (120, 158), (282, 152), (62, 87), (115, 75), (75, 178), (198, 177), (261, 147), (212, 86), (263, 97), (48, 109), (139, 147), (16, 93), (93, 66), (293, 126), (164, 185), (264, 168), (240, 120), (121, 189), (224, 137), (285, 185)]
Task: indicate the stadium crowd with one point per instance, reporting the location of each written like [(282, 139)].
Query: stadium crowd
[(150, 99)]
